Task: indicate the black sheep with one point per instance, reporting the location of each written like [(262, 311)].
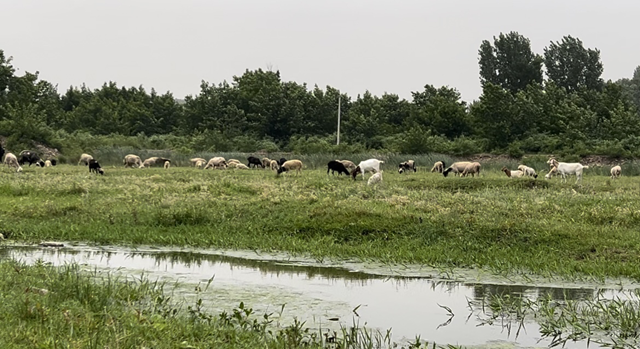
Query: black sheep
[(281, 161), (94, 166), (29, 156), (1, 152), (336, 166), (254, 161)]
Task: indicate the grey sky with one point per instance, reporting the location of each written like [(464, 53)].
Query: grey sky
[(380, 46)]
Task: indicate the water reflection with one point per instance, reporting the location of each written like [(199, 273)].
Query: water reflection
[(314, 293)]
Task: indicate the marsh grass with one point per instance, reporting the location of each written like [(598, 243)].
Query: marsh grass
[(511, 226), (46, 307), (609, 322)]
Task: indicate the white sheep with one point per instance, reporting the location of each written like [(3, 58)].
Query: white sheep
[(167, 164), (12, 161), (616, 171), (375, 179), (194, 161), (240, 166), (200, 164), (216, 162), (132, 160), (274, 165), (528, 171), (349, 165), (266, 163), (456, 167), (84, 159), (371, 165), (438, 167), (291, 165), (47, 163), (566, 168), (513, 174), (472, 169)]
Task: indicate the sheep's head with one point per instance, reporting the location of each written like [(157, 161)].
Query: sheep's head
[(446, 172), (355, 172)]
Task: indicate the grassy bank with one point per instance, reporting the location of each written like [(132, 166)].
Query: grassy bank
[(46, 307), (508, 225)]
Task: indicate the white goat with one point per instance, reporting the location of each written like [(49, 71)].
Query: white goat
[(565, 168), (371, 165)]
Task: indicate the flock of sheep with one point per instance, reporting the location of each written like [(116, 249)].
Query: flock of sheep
[(462, 168)]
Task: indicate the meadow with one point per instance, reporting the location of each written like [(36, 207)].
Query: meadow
[(511, 226)]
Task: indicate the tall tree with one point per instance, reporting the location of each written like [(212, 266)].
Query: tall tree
[(571, 66), (631, 88), (509, 62), (440, 110)]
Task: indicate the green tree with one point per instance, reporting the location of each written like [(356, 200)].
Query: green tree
[(509, 62), (571, 66), (441, 110)]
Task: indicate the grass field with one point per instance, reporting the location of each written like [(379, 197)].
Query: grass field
[(507, 225)]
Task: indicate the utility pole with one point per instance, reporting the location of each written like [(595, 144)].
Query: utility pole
[(338, 143)]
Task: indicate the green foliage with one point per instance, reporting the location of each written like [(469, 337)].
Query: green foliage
[(573, 67), (509, 62)]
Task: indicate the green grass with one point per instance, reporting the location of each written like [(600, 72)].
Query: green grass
[(507, 225)]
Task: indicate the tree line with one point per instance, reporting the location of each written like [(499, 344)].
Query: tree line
[(569, 110)]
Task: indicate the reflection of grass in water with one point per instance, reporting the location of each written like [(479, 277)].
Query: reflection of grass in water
[(41, 304), (610, 322)]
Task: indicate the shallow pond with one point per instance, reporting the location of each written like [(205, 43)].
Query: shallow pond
[(410, 300)]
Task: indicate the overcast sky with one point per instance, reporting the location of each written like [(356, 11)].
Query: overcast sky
[(381, 46)]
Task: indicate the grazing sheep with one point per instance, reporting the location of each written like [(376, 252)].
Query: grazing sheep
[(233, 160), (371, 165), (407, 166), (348, 164), (281, 161), (616, 171), (456, 167), (233, 164), (47, 163), (254, 161), (274, 165), (472, 169), (216, 162), (12, 161), (336, 166), (266, 163), (132, 160), (200, 163), (84, 159), (29, 156), (167, 164), (94, 166), (194, 161), (155, 160), (513, 174), (241, 166), (528, 171), (291, 165), (375, 179), (566, 168), (2, 151), (439, 166)]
